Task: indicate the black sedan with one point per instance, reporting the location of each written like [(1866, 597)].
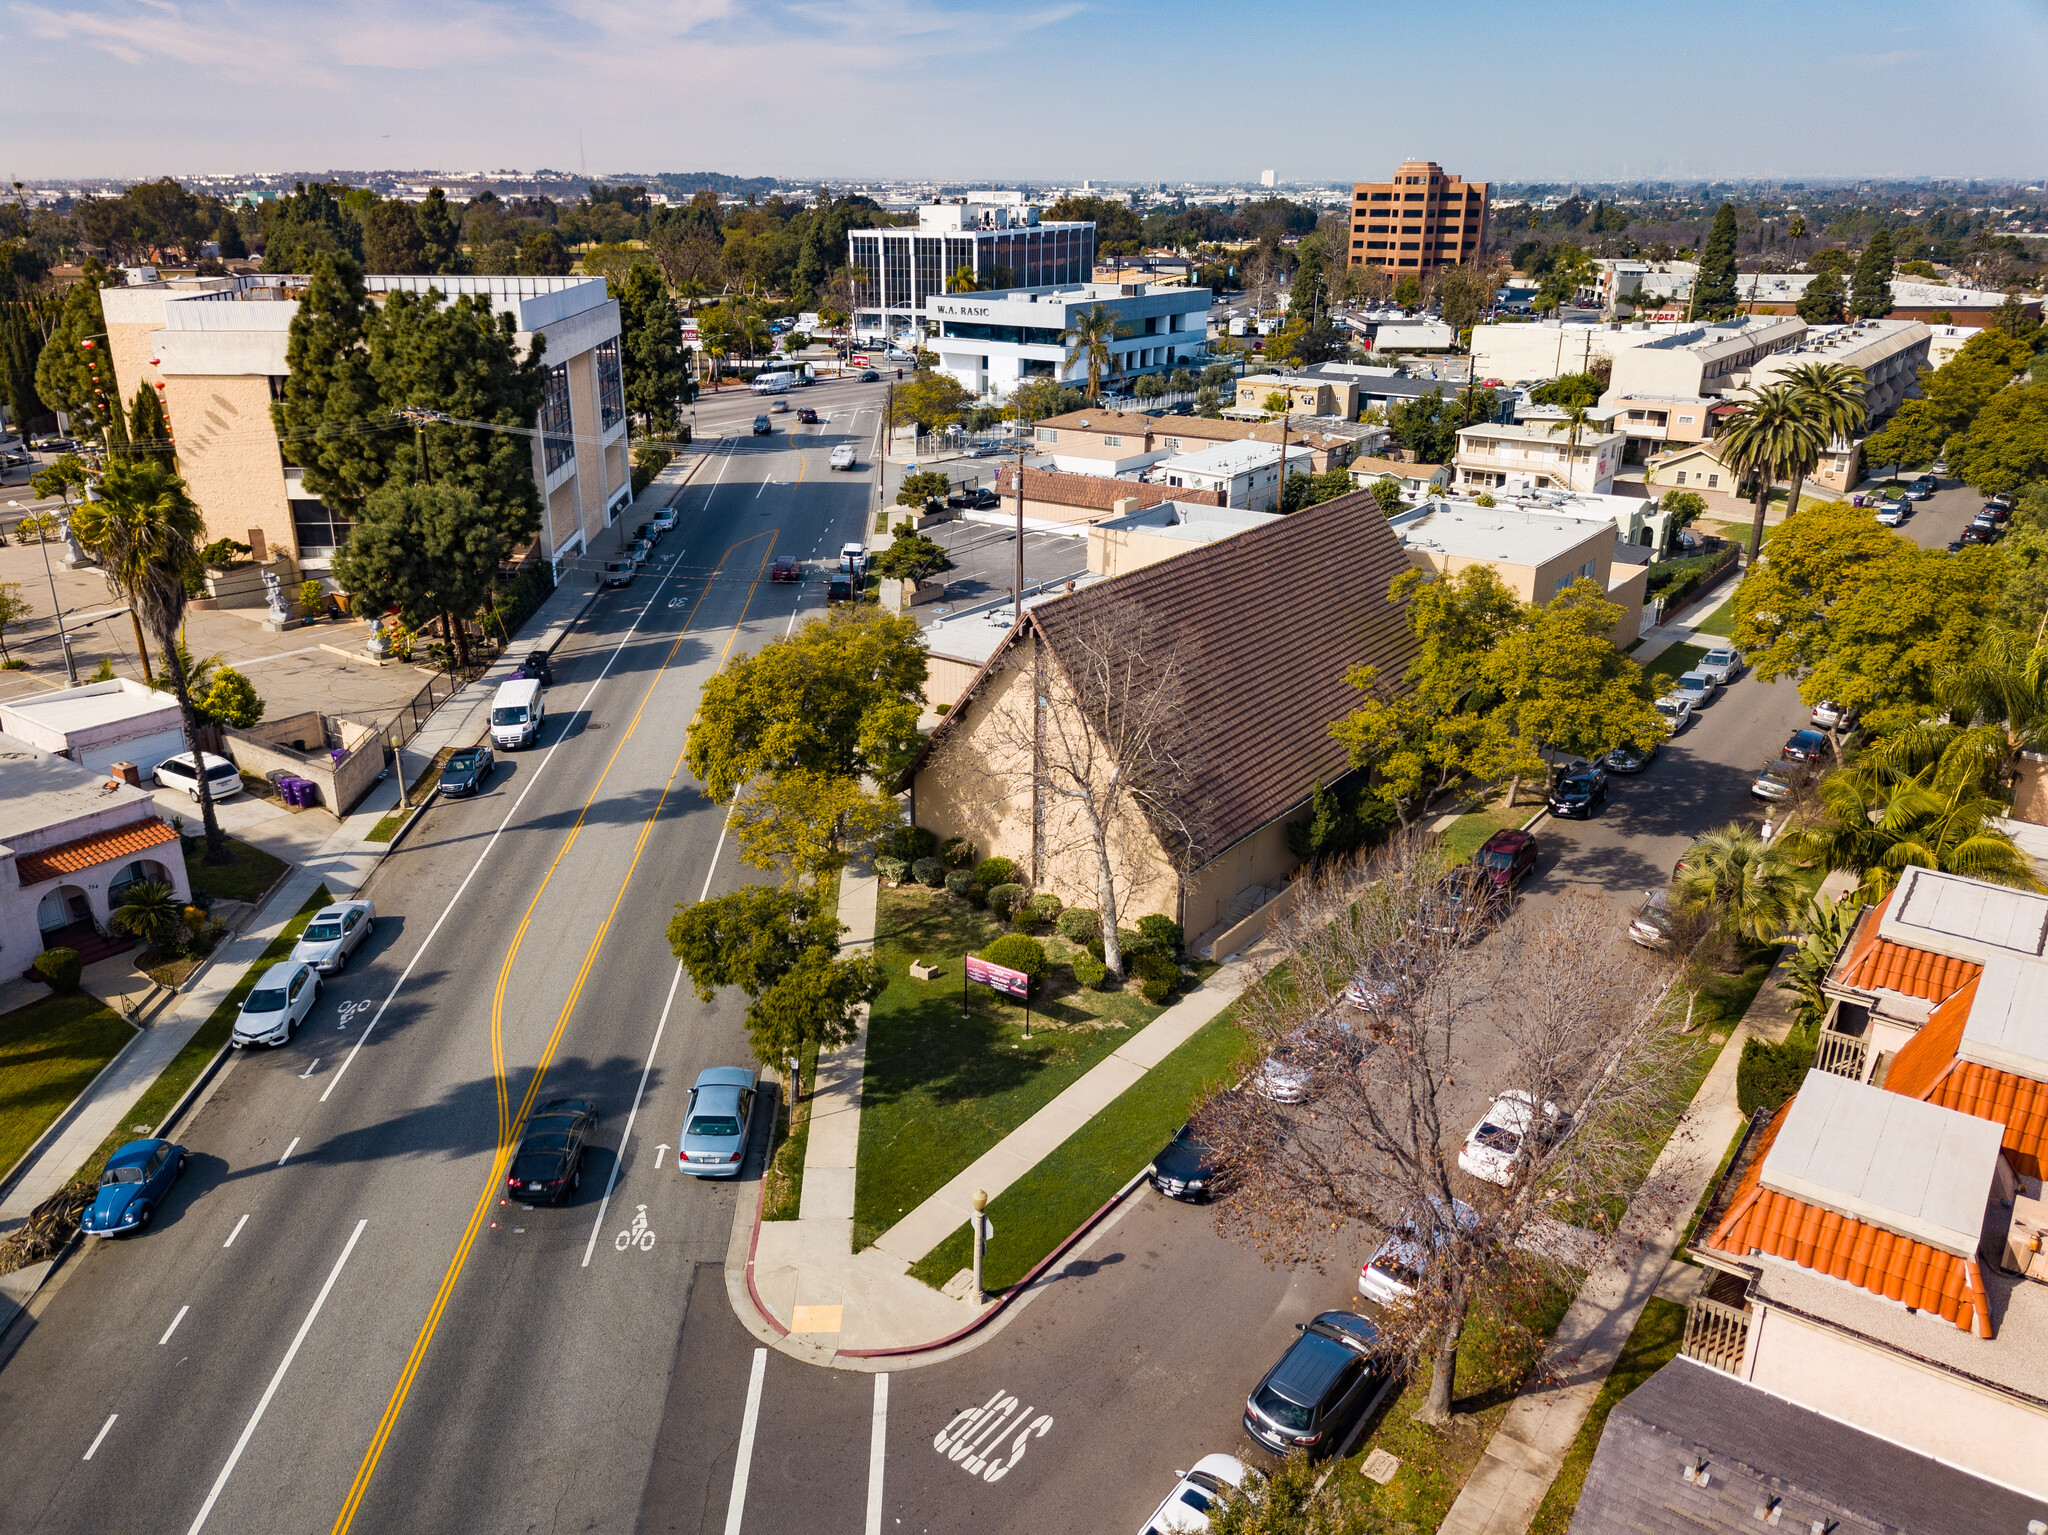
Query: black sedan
[(1806, 746), (648, 533), (548, 1166), (870, 377), (1578, 792), (1187, 1168), (467, 771), (807, 416), (1629, 760)]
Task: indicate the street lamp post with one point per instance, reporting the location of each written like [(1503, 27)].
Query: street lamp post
[(56, 608), (980, 1243)]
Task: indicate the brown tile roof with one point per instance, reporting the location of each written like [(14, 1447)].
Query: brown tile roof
[(1095, 492), (1878, 964), (84, 852), (1927, 1068), (1842, 1247), (1276, 617), (1135, 422), (1400, 471)]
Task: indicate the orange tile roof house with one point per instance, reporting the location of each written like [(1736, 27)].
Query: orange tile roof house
[(71, 843)]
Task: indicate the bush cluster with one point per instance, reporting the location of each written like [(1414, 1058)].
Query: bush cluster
[(60, 969), (1078, 924), (991, 872), (894, 870), (910, 843), (1013, 951), (1162, 935), (929, 871), (957, 853), (1089, 971), (958, 882), (1005, 898), (1770, 1074)]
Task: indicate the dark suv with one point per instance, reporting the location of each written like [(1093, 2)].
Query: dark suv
[(1330, 1377), (1505, 859)]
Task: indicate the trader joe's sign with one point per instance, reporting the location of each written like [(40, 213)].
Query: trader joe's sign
[(1013, 983)]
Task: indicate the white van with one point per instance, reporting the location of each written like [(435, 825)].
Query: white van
[(517, 712), (778, 382)]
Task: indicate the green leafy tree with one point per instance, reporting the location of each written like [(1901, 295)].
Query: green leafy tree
[(2006, 446), (1408, 291), (149, 428), (1386, 490), (1941, 817), (310, 222), (1090, 341), (542, 254), (393, 242), (1823, 300), (440, 235), (930, 400), (331, 394), (807, 823), (1770, 436), (1744, 889), (230, 699), (1951, 396), (1464, 292), (14, 609), (22, 328), (912, 557), (1570, 270), (925, 485), (651, 350), (1568, 389), (1713, 293), (1870, 293), (427, 552), (1684, 508)]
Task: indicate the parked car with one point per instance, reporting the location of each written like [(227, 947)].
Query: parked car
[(1921, 489), (1505, 859), (467, 771), (640, 551), (1894, 513), (1773, 781), (1187, 1167), (1723, 664), (1696, 688), (785, 568), (335, 933), (1331, 1376), (807, 416), (1985, 528), (979, 499), (1578, 792), (1829, 715), (1805, 746), (1677, 711), (132, 1184), (853, 556), (279, 1004), (713, 1143), (1651, 925), (763, 426), (1629, 760), (647, 533), (842, 456), (1498, 1141), (840, 588), (1998, 511), (665, 519), (548, 1166), (1200, 1489), (617, 573), (1394, 1271), (223, 778)]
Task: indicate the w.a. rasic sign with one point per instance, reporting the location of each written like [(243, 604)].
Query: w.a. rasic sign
[(1012, 983)]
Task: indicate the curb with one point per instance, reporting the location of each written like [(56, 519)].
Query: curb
[(183, 1106)]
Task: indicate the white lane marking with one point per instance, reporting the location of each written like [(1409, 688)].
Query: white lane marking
[(294, 1146), (172, 1328), (282, 655), (639, 1234), (878, 1445), (446, 911), (705, 893), (627, 1135), (310, 1069), (96, 1438), (230, 1242), (738, 1504), (276, 1380)]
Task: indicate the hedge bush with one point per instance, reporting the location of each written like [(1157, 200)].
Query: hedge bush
[(1013, 951), (957, 853), (1078, 925), (911, 843), (958, 882), (59, 969), (1770, 1074), (1161, 934), (991, 872), (894, 870), (1089, 971), (1004, 899), (1155, 967), (1046, 905), (1130, 944), (929, 871), (1157, 992), (977, 895)]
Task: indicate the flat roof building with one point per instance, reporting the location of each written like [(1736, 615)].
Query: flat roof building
[(1888, 353), (993, 342), (1418, 221), (99, 724), (999, 238), (1245, 474), (1495, 457), (1536, 554)]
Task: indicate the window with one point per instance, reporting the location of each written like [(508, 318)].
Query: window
[(1713, 482), (1685, 421), (611, 386), (1112, 442), (1409, 245), (1383, 197), (1681, 476), (558, 446), (1172, 444), (1376, 245), (1047, 436), (318, 531), (1411, 197), (1379, 229)]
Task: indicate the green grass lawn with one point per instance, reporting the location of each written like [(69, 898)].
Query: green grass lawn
[(1658, 1333), (792, 1139), (1469, 832), (1679, 659), (252, 872), (1720, 622), (947, 1078), (1042, 1208), (50, 1051)]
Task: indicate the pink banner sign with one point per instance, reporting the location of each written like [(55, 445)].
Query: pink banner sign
[(1014, 983)]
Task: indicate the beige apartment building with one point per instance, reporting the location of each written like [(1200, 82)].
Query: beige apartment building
[(1418, 221), (1535, 554), (1534, 457), (1666, 390), (1305, 395), (217, 347), (1117, 443)]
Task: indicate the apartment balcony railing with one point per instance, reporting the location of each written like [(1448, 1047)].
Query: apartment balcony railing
[(1842, 1054), (1716, 1333)]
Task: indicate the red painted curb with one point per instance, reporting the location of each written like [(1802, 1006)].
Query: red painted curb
[(754, 1295)]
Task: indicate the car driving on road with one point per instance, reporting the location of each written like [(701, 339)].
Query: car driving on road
[(467, 771), (785, 568), (1332, 1375), (763, 426), (807, 416), (133, 1183), (334, 934), (548, 1167), (842, 456), (278, 1005), (714, 1138)]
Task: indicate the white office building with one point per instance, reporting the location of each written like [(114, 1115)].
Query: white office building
[(996, 235), (992, 342)]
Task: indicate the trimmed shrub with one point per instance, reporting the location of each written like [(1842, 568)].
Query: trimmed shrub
[(1046, 906), (911, 843), (1770, 1074), (59, 969), (1004, 899), (1013, 951), (1078, 925), (894, 870), (1089, 972), (1156, 992), (991, 872), (959, 882), (929, 871), (1155, 967), (977, 896), (1162, 934), (957, 853)]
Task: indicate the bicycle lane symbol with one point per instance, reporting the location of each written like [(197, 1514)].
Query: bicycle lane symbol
[(636, 1235)]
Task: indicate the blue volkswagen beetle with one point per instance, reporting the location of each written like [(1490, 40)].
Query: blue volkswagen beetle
[(134, 1183)]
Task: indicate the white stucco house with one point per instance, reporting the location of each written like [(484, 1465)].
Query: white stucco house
[(99, 724)]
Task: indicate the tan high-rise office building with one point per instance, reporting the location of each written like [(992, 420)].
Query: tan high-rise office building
[(1420, 220)]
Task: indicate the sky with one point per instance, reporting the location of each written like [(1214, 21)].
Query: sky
[(1049, 90)]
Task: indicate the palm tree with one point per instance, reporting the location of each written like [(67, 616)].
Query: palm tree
[(1089, 340), (1744, 887), (145, 530), (692, 292), (1832, 395), (1770, 435), (150, 911), (962, 280), (1577, 417), (2001, 689), (1940, 817)]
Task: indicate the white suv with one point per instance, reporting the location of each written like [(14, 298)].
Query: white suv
[(842, 456), (223, 778)]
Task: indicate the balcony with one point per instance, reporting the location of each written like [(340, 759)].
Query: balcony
[(1844, 1044), (1717, 1325)]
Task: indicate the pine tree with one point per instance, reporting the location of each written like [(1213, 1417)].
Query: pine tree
[(149, 428), (229, 236), (332, 420), (651, 350), (1870, 296), (441, 234), (1714, 287), (64, 374), (1821, 303)]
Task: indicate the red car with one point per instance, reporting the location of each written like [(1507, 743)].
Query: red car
[(1505, 859), (785, 568)]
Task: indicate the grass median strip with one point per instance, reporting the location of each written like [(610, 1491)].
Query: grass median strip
[(1042, 1208), (50, 1051)]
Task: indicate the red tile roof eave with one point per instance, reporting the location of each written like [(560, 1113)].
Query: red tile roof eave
[(119, 842)]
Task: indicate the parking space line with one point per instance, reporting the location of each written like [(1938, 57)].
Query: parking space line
[(169, 1330), (230, 1242), (96, 1438), (634, 1113), (748, 1423), (294, 1146), (878, 1445)]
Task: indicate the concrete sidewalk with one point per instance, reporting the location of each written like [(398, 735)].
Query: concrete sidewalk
[(1680, 631), (804, 1275)]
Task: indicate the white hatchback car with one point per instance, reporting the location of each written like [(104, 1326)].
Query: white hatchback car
[(1496, 1142), (1187, 1508), (277, 1006), (223, 778), (335, 933)]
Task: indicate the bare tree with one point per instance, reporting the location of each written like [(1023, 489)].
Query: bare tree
[(1554, 1006)]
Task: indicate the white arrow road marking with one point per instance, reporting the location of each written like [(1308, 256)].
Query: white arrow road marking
[(627, 1135)]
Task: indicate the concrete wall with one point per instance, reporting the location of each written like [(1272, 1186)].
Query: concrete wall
[(266, 748), (946, 679), (1260, 859), (1116, 551), (228, 453)]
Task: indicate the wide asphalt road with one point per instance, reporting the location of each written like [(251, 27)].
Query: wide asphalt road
[(336, 1320)]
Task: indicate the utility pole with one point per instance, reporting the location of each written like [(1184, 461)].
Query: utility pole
[(1281, 504), (1017, 607)]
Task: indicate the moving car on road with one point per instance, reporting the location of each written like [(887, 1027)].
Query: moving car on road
[(1805, 746), (1629, 760), (548, 1167), (1578, 792), (1187, 1167), (870, 376), (133, 1183), (1723, 664), (842, 457), (715, 1123), (763, 427), (336, 932), (1330, 1377), (467, 771), (807, 416), (785, 568), (277, 1006), (1186, 1509), (1498, 1141), (223, 778)]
